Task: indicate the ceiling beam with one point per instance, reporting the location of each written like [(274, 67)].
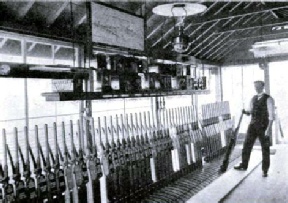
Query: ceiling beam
[(53, 16), (252, 39), (262, 36), (25, 9), (225, 16), (255, 60), (239, 28), (245, 27)]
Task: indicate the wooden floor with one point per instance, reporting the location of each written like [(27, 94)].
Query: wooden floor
[(249, 186), (222, 186), (257, 189)]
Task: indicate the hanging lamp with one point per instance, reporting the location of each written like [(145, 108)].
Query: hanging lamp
[(179, 11)]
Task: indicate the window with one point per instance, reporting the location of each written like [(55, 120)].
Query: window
[(21, 99), (238, 88)]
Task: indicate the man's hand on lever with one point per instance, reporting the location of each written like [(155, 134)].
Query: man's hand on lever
[(246, 112)]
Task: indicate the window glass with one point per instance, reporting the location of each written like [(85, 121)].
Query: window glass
[(12, 90), (10, 50), (12, 103), (64, 55), (211, 86), (278, 77), (238, 89), (38, 53)]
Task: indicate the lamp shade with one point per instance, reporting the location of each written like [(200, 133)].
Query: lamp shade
[(179, 9)]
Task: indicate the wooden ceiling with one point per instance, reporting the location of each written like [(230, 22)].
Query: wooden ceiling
[(223, 33)]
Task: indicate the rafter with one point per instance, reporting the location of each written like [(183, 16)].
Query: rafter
[(208, 19), (241, 39), (223, 49), (3, 42), (201, 44), (209, 8), (227, 43), (263, 35), (223, 39), (249, 4), (225, 16), (211, 42), (51, 19), (25, 9), (236, 6), (227, 50), (257, 18), (245, 27), (227, 22), (198, 28), (274, 14), (237, 21), (157, 28), (239, 13), (206, 31), (166, 45), (267, 16), (162, 37), (248, 20), (223, 7), (248, 32), (259, 4)]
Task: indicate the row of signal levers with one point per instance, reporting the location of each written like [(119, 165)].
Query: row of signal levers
[(135, 154)]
